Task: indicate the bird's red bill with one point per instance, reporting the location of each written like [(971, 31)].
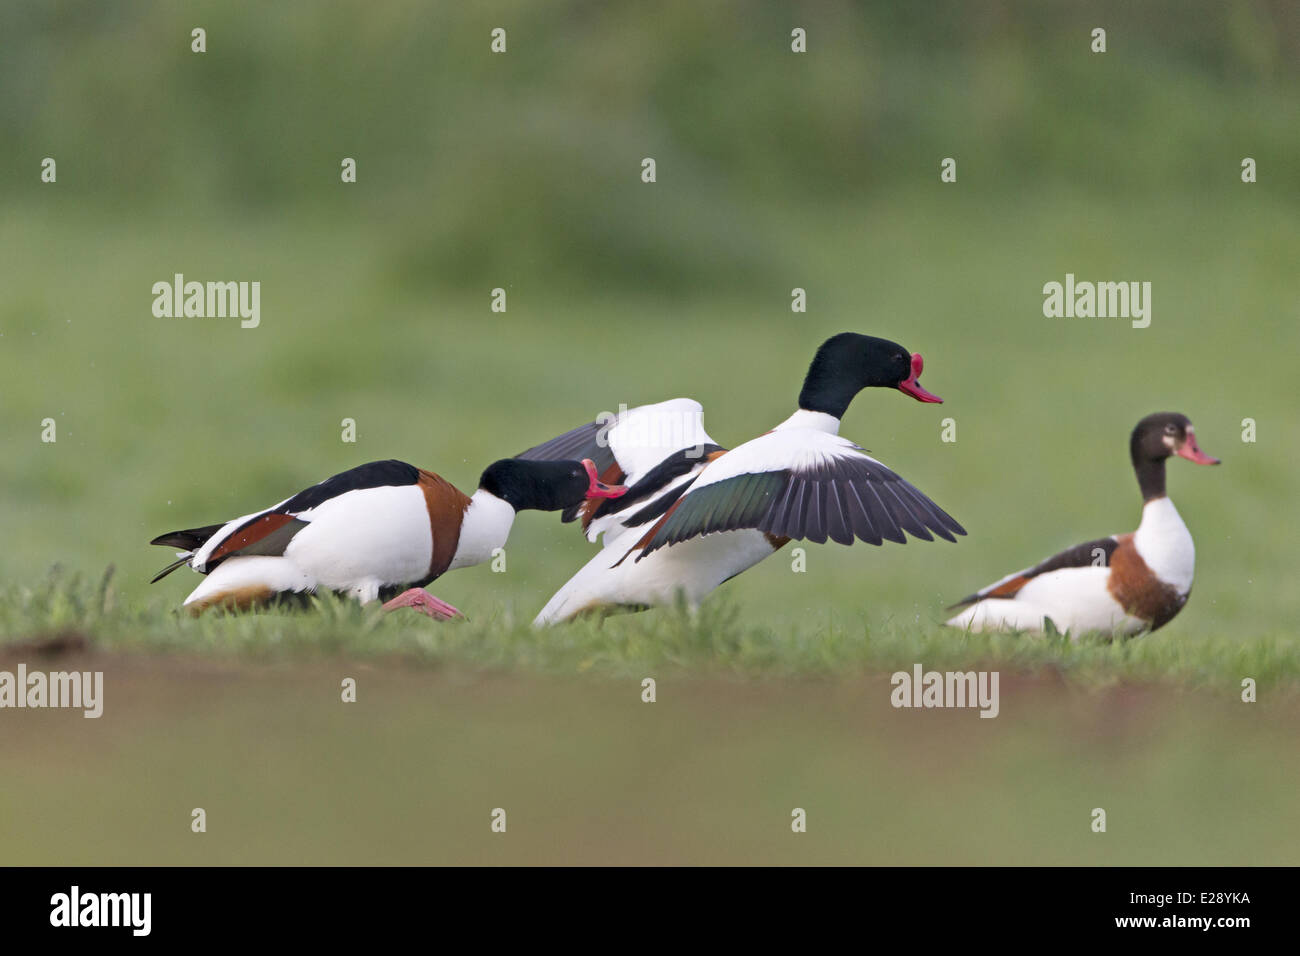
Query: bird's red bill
[(597, 488), (910, 386), (1192, 451)]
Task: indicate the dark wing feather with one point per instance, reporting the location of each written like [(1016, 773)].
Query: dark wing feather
[(848, 496), (674, 466), (266, 535), (879, 515), (1080, 556), (739, 502), (591, 441), (868, 497), (859, 518), (585, 441), (838, 524)]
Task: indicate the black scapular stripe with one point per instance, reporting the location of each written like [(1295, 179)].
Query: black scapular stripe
[(659, 507), (1080, 556), (375, 474)]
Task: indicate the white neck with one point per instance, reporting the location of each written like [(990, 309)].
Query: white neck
[(1165, 544), (485, 527), (818, 421)]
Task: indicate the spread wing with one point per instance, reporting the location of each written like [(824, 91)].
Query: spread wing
[(653, 449), (1089, 554), (802, 484)]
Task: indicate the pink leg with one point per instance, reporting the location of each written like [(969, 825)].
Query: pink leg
[(425, 603)]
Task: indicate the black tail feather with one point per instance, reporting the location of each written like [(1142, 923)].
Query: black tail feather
[(170, 568), (189, 540)]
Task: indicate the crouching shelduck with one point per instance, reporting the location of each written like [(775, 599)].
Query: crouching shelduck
[(1124, 584), (381, 530), (696, 515)]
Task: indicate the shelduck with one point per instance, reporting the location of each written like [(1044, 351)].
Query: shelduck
[(381, 530), (696, 515), (1124, 584)]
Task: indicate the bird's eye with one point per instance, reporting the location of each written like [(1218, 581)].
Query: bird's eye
[(1171, 429)]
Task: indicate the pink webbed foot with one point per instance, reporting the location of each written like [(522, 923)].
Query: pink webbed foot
[(425, 603)]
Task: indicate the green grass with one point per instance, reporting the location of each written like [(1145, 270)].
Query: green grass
[(172, 423), (718, 640)]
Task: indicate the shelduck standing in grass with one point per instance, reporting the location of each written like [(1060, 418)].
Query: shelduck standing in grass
[(381, 530), (1123, 584), (696, 515)]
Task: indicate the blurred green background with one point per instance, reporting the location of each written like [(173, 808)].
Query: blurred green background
[(775, 170)]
